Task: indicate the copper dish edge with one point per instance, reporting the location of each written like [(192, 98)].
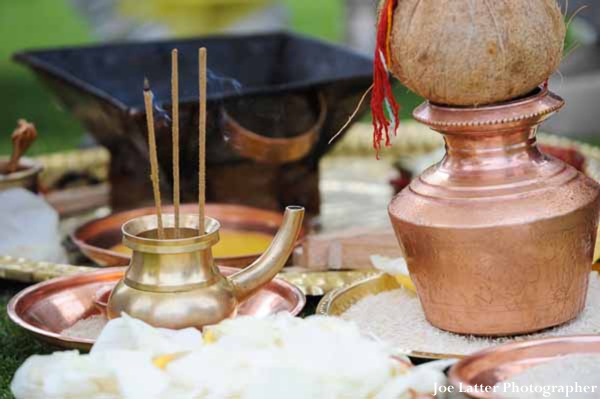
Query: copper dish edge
[(35, 292), (229, 215), (338, 301), (494, 365)]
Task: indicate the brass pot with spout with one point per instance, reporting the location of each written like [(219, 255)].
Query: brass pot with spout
[(174, 283), (498, 236)]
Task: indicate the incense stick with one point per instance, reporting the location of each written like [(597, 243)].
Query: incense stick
[(202, 141), (175, 112), (148, 96)]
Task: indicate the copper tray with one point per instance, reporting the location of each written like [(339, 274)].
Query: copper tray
[(494, 365), (47, 308), (95, 238)]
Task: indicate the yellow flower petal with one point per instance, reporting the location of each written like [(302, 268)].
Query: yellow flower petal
[(163, 361), (406, 282), (209, 337)]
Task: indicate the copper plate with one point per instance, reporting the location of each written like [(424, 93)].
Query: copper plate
[(47, 308), (337, 302), (95, 238), (492, 366)]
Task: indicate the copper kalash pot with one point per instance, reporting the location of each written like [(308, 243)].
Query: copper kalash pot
[(498, 237)]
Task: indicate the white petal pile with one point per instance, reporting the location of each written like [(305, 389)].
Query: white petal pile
[(127, 333), (244, 358)]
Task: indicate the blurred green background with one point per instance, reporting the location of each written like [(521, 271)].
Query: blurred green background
[(27, 24)]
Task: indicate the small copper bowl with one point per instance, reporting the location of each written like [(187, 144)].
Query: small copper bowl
[(26, 176), (96, 238), (495, 365)]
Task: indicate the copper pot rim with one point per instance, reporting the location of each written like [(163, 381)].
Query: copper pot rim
[(537, 105), (110, 274), (456, 373), (85, 246)]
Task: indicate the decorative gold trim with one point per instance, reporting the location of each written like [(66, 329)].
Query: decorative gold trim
[(93, 162), (489, 122), (29, 271), (321, 283)]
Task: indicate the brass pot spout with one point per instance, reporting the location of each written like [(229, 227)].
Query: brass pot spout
[(264, 269)]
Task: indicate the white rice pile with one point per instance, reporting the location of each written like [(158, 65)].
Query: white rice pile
[(397, 317), (89, 328), (575, 376)]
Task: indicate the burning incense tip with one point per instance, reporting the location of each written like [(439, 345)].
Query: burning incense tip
[(154, 175)]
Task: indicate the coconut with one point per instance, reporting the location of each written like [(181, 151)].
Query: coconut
[(475, 52)]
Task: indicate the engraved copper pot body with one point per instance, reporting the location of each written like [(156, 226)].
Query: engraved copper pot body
[(498, 237)]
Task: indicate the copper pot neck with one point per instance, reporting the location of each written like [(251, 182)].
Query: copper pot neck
[(507, 144), (491, 151), (172, 264)]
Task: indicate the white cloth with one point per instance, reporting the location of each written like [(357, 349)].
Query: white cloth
[(29, 227)]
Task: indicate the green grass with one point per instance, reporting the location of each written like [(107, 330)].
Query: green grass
[(16, 346), (29, 24)]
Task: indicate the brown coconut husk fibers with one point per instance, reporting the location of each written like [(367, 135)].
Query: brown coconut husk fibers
[(475, 52)]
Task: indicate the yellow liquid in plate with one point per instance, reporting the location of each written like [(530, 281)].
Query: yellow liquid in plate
[(232, 243), (241, 243)]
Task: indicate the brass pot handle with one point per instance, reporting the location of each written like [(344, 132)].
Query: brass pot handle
[(264, 149)]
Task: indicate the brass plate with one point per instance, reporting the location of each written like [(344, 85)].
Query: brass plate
[(47, 308), (339, 301)]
